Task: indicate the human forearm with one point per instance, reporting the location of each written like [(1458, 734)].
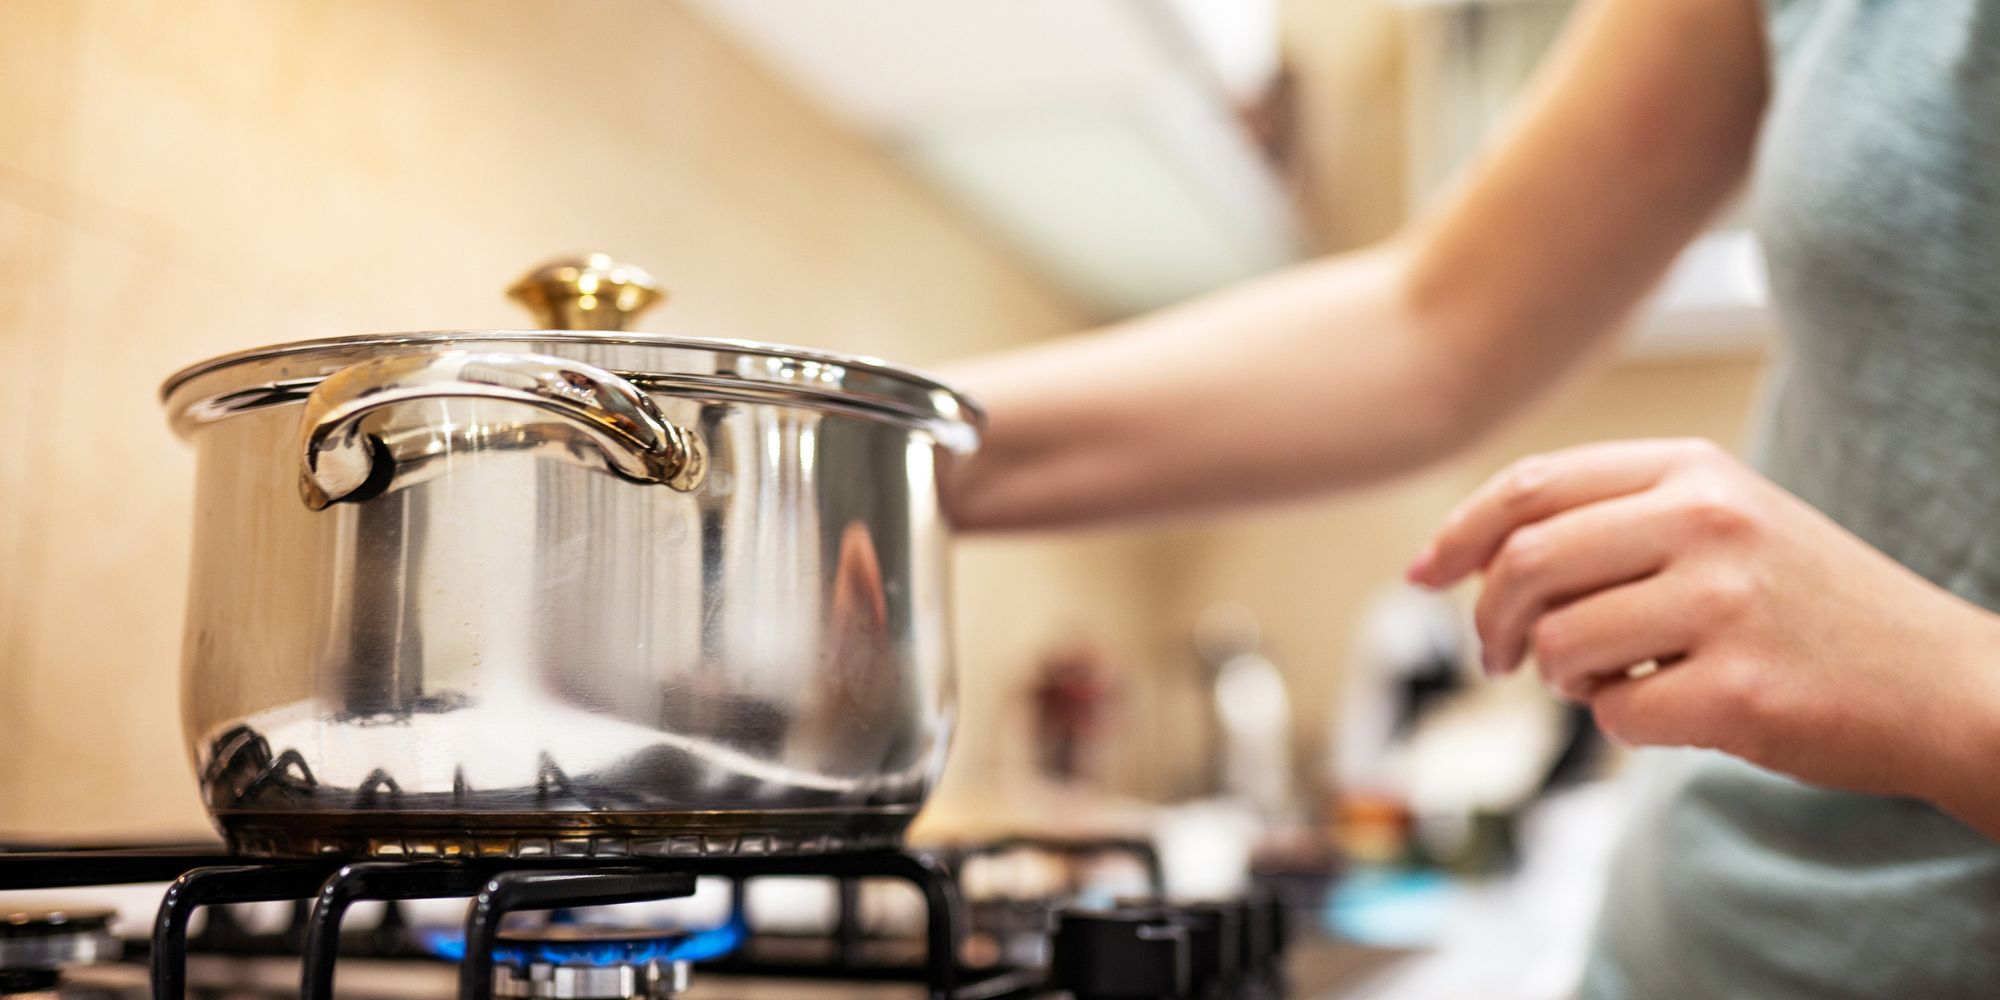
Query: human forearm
[(1308, 380)]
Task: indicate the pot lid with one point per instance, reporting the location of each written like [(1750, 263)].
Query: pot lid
[(585, 305)]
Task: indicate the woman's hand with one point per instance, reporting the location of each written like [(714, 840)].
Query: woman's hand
[(1689, 601)]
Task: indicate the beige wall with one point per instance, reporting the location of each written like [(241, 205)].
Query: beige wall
[(178, 180), (1346, 60)]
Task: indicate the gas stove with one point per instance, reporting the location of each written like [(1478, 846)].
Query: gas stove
[(565, 928)]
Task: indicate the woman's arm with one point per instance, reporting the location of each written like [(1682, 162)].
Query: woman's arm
[(1359, 367)]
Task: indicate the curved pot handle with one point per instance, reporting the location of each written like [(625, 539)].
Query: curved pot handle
[(338, 459)]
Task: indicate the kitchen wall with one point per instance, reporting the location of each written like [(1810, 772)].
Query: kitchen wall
[(1346, 66), (178, 180)]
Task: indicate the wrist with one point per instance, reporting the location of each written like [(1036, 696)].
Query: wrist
[(1962, 783)]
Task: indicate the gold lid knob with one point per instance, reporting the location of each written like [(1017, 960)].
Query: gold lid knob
[(591, 292)]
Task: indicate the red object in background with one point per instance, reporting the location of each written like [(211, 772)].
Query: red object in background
[(1073, 697)]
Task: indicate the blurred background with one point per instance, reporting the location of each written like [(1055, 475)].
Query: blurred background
[(911, 180)]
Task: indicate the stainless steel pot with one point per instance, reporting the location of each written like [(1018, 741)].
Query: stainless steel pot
[(568, 593)]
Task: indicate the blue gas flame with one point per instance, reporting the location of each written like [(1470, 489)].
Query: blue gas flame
[(714, 942), (690, 946), (445, 944)]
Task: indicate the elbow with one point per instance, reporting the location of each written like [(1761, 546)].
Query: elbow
[(1473, 361)]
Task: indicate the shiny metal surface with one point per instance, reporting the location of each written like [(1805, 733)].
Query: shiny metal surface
[(505, 648), (337, 458), (591, 292), (55, 939), (654, 980)]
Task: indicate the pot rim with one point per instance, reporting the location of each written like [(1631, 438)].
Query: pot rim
[(910, 395)]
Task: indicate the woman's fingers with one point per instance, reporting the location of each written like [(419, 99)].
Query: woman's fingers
[(1671, 706), (1565, 557), (1597, 640), (1538, 488)]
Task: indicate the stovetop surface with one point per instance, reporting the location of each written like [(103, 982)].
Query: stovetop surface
[(216, 978), (1320, 970)]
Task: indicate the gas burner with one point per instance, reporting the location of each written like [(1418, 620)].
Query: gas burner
[(586, 962), (36, 945)]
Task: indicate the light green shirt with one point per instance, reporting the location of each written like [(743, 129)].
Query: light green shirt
[(1877, 197)]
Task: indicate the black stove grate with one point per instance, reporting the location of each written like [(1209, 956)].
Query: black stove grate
[(205, 877), (324, 890)]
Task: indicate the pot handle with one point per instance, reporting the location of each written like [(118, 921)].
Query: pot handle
[(338, 459)]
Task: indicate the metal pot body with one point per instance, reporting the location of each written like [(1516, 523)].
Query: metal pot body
[(448, 599)]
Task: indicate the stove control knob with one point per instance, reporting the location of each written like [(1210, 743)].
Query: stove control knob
[(1281, 924), (1259, 947), (1214, 948), (1130, 953)]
